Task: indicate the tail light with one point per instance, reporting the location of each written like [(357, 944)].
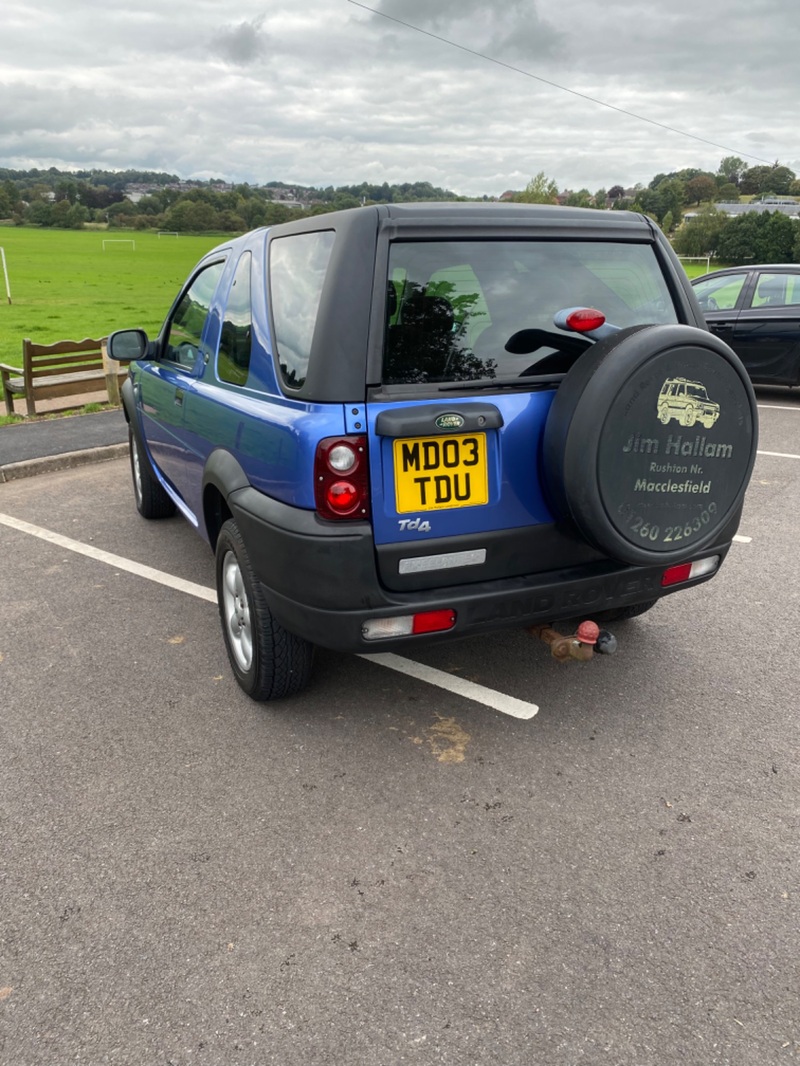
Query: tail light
[(341, 478), (409, 625), (676, 575)]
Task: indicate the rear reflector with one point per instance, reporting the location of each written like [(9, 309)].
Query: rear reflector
[(676, 575), (408, 625)]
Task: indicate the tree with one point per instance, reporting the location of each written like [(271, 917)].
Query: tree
[(39, 213), (775, 180), (777, 238), (767, 237), (581, 198), (539, 190), (781, 180), (731, 169), (666, 199), (727, 194), (702, 187), (700, 235)]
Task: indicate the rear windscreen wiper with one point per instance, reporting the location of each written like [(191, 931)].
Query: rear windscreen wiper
[(541, 381)]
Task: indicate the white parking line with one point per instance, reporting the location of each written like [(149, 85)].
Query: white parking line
[(742, 540), (468, 689), (200, 591), (780, 455), (459, 685), (775, 407)]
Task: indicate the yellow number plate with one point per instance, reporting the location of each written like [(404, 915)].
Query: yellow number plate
[(433, 473)]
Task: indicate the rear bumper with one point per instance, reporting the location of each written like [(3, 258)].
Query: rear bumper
[(321, 582)]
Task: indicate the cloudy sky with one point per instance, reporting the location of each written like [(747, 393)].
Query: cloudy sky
[(326, 92)]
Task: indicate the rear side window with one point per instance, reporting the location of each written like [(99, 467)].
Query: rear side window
[(777, 290), (233, 361), (297, 266), (463, 310)]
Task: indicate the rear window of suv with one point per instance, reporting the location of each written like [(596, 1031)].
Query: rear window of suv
[(454, 306)]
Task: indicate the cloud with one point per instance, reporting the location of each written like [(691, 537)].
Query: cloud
[(327, 93), (243, 43), (505, 31)]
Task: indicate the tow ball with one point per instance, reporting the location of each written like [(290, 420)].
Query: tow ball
[(580, 645)]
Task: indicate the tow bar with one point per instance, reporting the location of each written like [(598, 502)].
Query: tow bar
[(580, 645)]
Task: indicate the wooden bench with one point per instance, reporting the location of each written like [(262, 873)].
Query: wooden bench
[(66, 368)]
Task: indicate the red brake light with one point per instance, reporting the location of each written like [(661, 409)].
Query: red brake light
[(585, 319), (433, 621), (676, 574), (341, 478), (342, 497)]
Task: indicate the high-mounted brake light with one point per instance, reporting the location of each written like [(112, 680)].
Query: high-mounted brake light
[(585, 319), (676, 575), (341, 478)]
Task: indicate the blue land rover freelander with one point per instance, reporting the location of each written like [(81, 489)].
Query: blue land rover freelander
[(412, 423)]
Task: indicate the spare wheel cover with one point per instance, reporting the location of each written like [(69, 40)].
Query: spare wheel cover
[(650, 443)]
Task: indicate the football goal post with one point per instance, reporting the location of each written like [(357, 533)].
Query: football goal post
[(5, 273), (115, 241), (166, 233), (697, 259)]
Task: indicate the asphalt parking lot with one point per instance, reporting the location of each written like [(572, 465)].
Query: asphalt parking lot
[(393, 868)]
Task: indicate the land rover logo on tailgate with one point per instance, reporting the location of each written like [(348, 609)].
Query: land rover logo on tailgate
[(449, 421)]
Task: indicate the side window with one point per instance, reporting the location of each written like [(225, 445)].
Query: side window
[(792, 289), (186, 325), (719, 294), (233, 360), (775, 290), (297, 268)]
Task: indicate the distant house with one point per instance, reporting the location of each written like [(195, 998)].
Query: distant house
[(790, 208)]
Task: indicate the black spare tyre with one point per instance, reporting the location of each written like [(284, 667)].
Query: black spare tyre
[(650, 443)]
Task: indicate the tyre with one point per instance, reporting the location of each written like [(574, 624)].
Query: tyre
[(151, 497), (643, 492), (268, 662)]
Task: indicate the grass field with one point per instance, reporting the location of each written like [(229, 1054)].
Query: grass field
[(65, 287)]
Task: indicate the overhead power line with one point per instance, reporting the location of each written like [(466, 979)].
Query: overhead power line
[(555, 85)]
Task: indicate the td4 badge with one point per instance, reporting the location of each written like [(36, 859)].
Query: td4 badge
[(418, 525)]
